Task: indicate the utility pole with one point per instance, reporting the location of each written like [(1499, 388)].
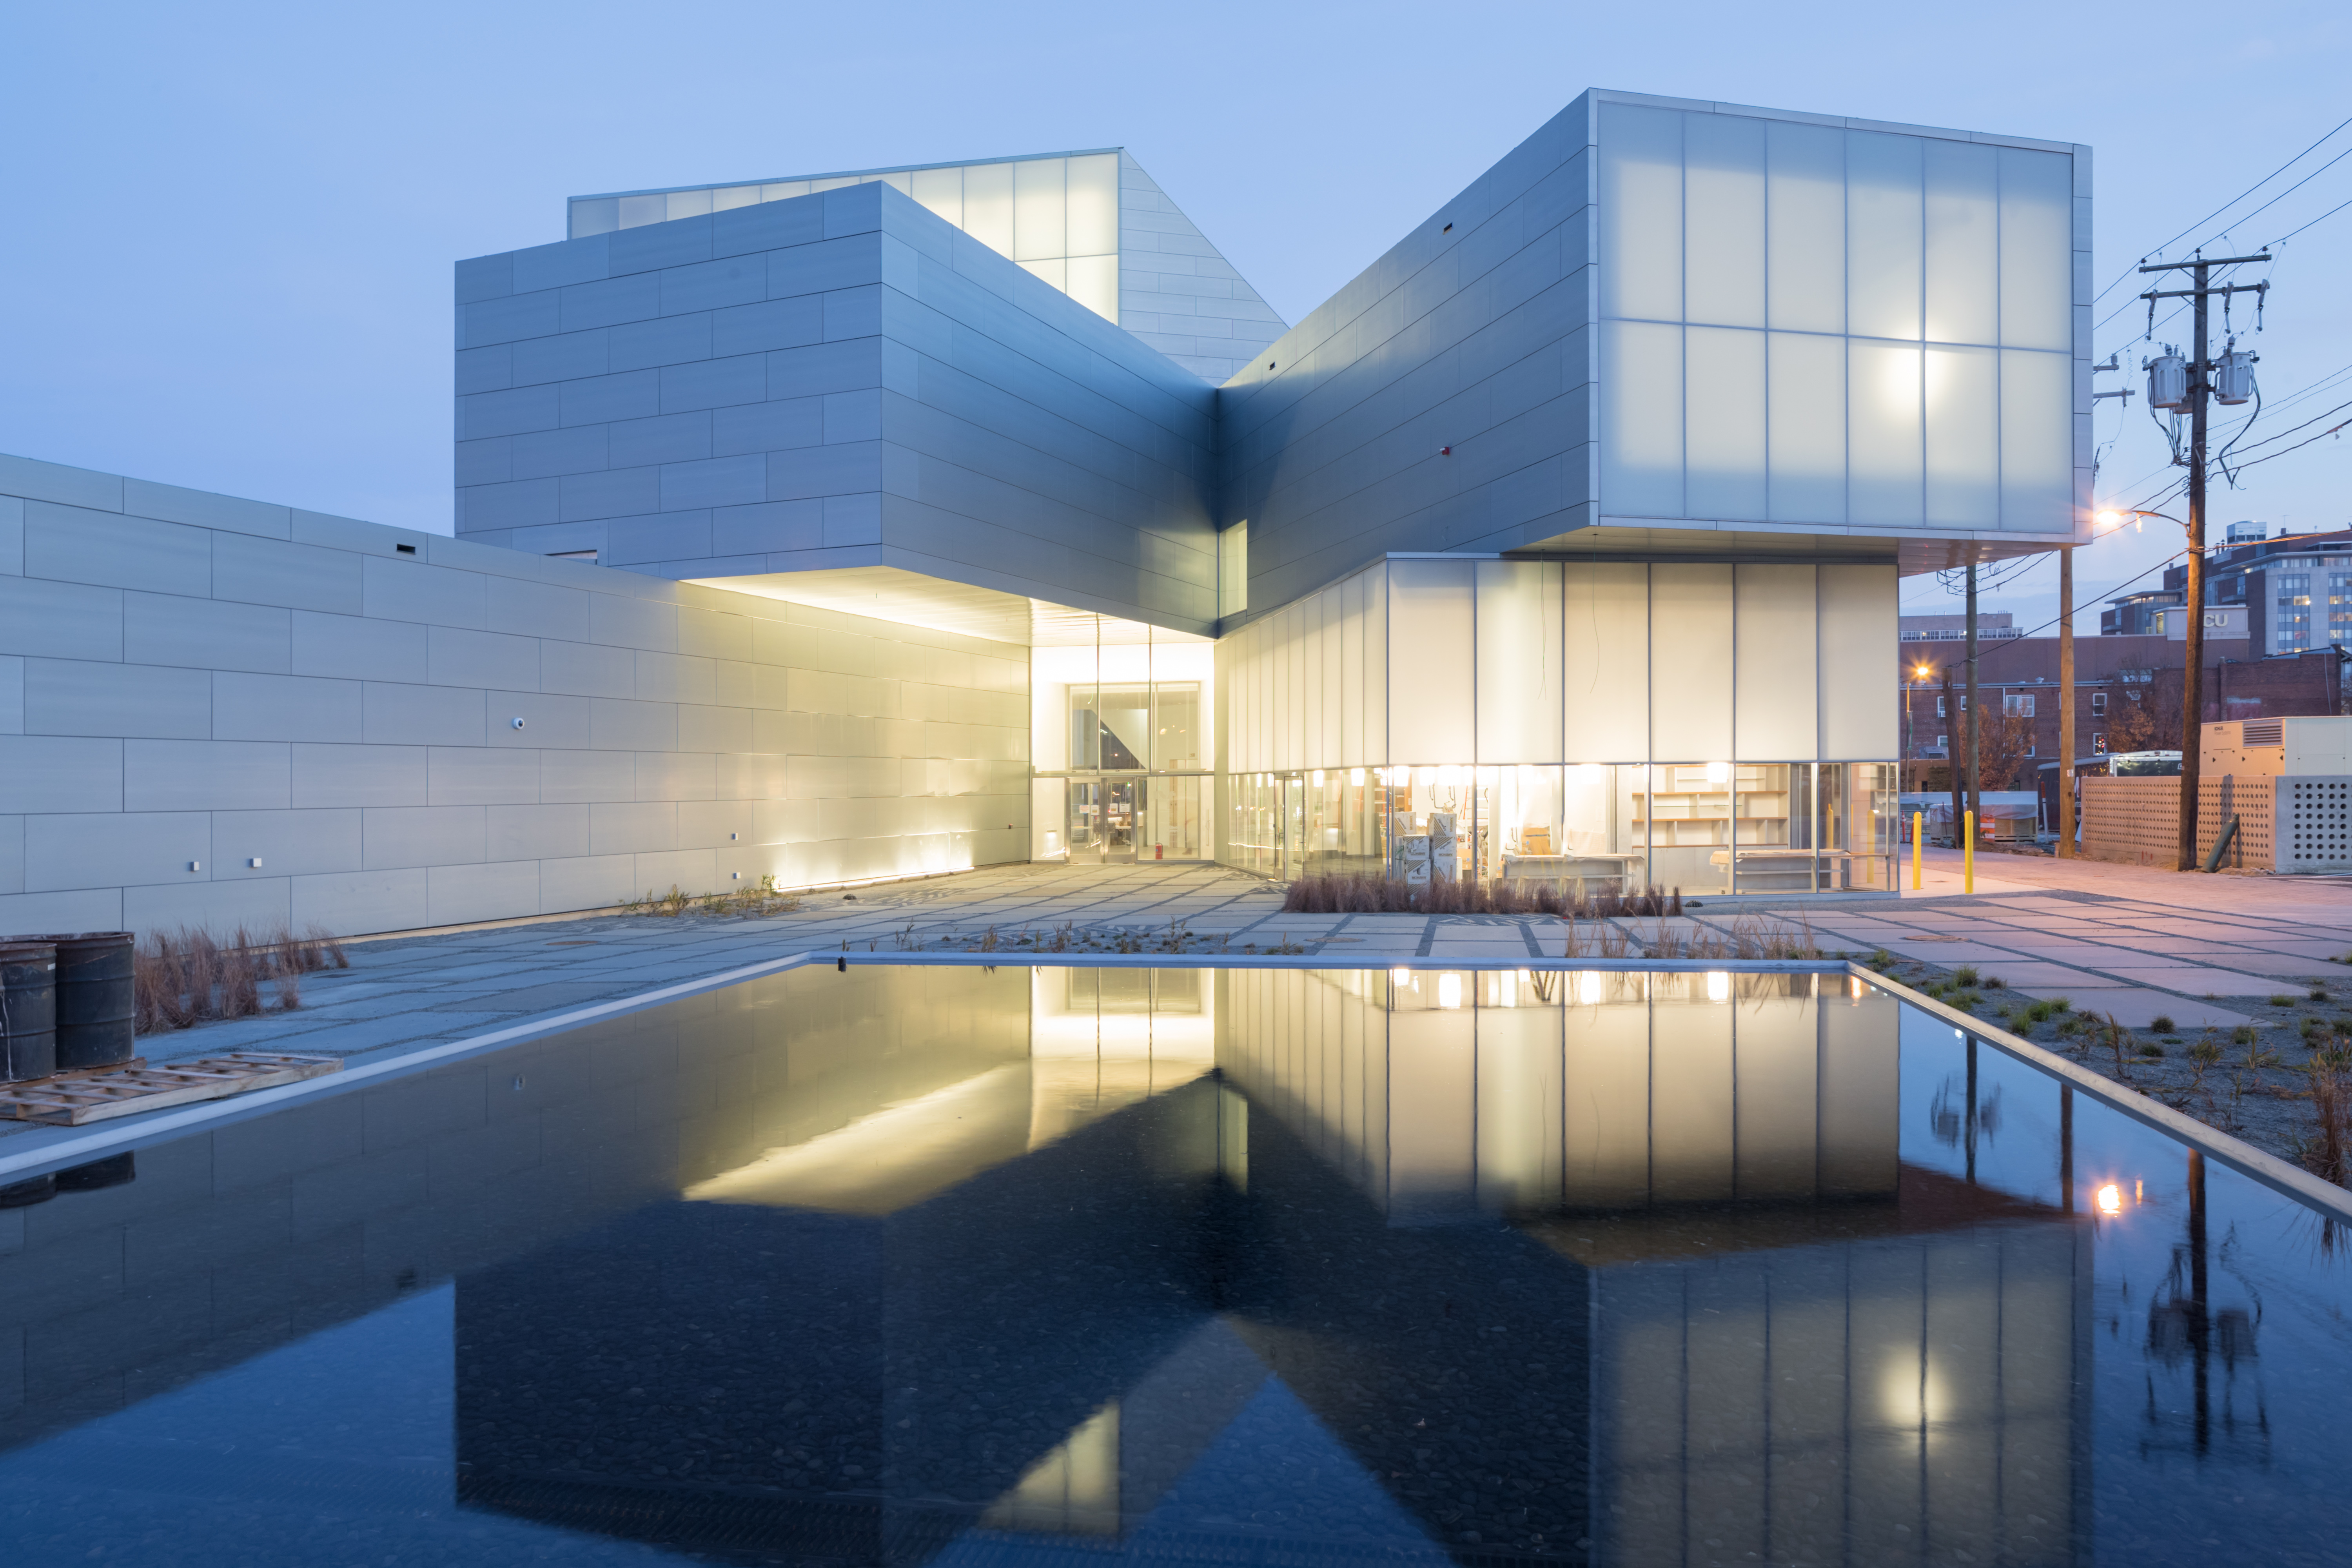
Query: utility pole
[(2066, 702), (1953, 733), (1976, 753), (2200, 391)]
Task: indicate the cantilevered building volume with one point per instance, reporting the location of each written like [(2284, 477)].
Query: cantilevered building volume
[(908, 519)]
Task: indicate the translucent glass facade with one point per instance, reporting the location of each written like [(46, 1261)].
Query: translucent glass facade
[(1806, 324), (1701, 726), (1058, 216)]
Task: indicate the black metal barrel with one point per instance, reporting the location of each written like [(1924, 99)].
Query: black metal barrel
[(114, 1170), (25, 1194), (98, 1002), (28, 1010)]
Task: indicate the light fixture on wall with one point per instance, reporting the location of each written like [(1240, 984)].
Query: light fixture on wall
[(517, 722)]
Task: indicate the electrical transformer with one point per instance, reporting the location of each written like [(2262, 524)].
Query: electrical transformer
[(2168, 382), (2234, 377)]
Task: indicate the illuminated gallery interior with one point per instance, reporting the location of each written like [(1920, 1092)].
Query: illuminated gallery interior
[(1561, 545)]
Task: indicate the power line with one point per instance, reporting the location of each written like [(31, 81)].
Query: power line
[(2293, 428), (2323, 217), (2293, 188), (2306, 441), (2225, 206)]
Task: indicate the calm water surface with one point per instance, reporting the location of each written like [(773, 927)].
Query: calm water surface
[(1051, 1266)]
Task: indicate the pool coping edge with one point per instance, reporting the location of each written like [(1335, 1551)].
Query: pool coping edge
[(2291, 1181)]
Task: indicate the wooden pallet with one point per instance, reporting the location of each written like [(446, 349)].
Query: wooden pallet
[(70, 1100)]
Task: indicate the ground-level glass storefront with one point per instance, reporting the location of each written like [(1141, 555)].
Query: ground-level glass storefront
[(1713, 828), (1708, 726)]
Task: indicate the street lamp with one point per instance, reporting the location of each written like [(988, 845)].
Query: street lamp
[(2193, 669), (2116, 517), (1910, 736)]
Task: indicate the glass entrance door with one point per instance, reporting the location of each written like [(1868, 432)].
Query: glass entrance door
[(1102, 820)]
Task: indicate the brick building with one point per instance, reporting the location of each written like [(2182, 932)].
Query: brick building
[(2018, 677)]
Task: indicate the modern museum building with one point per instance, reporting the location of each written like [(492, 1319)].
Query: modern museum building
[(856, 526)]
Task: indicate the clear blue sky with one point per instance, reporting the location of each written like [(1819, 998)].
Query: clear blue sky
[(226, 256)]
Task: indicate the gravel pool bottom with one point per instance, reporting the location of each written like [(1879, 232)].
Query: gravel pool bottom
[(928, 1264)]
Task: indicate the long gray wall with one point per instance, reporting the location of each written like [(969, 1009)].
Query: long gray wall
[(1469, 333), (191, 683), (836, 380)]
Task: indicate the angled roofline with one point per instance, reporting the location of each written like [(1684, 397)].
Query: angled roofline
[(1846, 121), (840, 174)]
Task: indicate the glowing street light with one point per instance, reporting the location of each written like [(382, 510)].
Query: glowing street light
[(2116, 517), (2110, 1199)]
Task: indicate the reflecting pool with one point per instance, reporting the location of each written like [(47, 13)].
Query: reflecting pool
[(962, 1266)]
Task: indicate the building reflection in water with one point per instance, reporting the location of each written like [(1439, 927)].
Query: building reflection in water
[(1629, 1267)]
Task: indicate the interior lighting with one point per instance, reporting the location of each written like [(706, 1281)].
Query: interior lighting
[(1587, 988), (1719, 985), (1718, 772), (1400, 976), (1911, 1392), (1449, 991), (2110, 1199), (1355, 776)]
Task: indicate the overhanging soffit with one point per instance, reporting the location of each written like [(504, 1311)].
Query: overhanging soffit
[(914, 599), (1910, 556)]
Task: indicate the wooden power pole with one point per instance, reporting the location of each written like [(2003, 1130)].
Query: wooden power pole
[(1976, 753), (2200, 391), (2067, 703)]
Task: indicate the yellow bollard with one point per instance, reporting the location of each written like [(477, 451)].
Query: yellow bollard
[(1968, 860), (1918, 836)]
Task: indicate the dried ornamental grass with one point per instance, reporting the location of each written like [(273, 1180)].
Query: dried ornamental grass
[(1355, 893), (185, 977)]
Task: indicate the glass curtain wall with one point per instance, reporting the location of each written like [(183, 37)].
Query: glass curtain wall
[(1118, 736), (1608, 726)]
